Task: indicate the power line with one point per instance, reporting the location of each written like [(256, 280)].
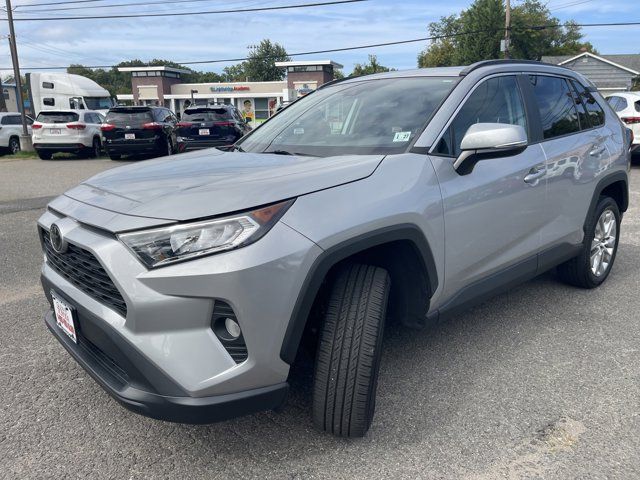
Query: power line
[(178, 14), (114, 5), (372, 45), (58, 3)]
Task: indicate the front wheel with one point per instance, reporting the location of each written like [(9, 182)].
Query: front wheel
[(602, 233), (349, 350)]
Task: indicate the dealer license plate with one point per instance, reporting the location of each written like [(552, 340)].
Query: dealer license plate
[(64, 317), (129, 136), (203, 131)]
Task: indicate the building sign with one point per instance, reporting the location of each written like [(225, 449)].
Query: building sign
[(237, 88), (303, 88)]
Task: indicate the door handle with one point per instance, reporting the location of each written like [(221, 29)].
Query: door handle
[(597, 150), (534, 175)]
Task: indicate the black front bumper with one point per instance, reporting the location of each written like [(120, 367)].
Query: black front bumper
[(133, 381), (188, 144)]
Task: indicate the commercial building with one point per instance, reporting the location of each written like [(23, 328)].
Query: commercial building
[(609, 73), (256, 101)]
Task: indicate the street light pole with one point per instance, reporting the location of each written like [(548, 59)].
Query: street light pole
[(507, 29), (25, 139)]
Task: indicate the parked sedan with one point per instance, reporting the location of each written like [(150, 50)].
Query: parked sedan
[(139, 131), (214, 126), (10, 131), (72, 131), (627, 106)]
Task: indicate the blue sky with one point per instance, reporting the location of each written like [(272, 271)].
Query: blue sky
[(227, 36)]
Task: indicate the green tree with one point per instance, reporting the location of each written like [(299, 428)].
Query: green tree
[(260, 63), (235, 73), (442, 51), (368, 68), (475, 34)]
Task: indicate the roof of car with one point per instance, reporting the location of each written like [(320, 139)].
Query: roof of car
[(67, 110), (458, 71), (634, 95), (209, 107)]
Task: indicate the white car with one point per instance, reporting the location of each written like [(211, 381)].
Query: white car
[(72, 131), (627, 106), (10, 131)]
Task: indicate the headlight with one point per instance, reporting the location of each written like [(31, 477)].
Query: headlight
[(161, 246)]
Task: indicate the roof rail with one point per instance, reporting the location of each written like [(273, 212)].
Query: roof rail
[(485, 63)]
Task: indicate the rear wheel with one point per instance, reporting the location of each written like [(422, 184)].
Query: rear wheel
[(348, 356), (95, 148), (602, 233), (14, 145), (115, 156), (169, 150), (44, 155)]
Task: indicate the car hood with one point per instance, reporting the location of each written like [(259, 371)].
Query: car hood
[(210, 182)]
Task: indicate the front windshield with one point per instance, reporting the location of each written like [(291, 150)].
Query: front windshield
[(368, 117), (98, 103)]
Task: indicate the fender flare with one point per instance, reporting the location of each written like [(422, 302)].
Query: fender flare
[(619, 176), (332, 256)]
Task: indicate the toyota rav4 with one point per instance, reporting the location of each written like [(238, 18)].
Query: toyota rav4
[(184, 286)]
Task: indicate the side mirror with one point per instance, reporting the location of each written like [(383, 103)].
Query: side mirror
[(489, 140)]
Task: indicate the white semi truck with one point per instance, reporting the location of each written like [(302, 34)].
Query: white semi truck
[(60, 91)]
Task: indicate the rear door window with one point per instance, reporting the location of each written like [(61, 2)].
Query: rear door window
[(497, 100), (556, 104), (57, 117)]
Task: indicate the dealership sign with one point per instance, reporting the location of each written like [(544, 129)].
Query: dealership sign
[(237, 88)]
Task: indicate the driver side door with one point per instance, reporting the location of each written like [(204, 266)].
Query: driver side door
[(494, 214)]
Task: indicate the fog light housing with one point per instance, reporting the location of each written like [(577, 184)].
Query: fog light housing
[(232, 327), (226, 327)]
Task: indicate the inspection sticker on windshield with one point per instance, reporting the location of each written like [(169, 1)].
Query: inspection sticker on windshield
[(401, 136)]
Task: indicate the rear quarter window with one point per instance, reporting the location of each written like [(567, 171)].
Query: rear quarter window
[(11, 120), (57, 117)]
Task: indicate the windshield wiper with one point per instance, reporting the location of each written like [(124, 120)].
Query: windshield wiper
[(286, 152), (280, 152)]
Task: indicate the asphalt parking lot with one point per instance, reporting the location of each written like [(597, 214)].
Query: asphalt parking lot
[(541, 382)]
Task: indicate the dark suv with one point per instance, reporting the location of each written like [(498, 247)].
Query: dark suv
[(139, 131), (213, 126)]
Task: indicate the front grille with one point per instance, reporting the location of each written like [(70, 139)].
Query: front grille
[(84, 271)]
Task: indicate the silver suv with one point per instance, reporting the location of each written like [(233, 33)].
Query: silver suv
[(185, 285)]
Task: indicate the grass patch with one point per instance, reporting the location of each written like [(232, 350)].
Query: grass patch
[(20, 156)]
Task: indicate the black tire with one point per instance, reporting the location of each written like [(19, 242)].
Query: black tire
[(578, 271), (14, 145), (349, 350), (44, 155), (96, 149), (115, 156), (168, 148)]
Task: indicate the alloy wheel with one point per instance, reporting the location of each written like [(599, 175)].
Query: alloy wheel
[(14, 146), (604, 243)]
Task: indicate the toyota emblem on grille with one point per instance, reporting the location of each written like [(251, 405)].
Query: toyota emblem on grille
[(57, 242)]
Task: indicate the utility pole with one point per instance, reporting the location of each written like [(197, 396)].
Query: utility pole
[(507, 29), (25, 138)]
